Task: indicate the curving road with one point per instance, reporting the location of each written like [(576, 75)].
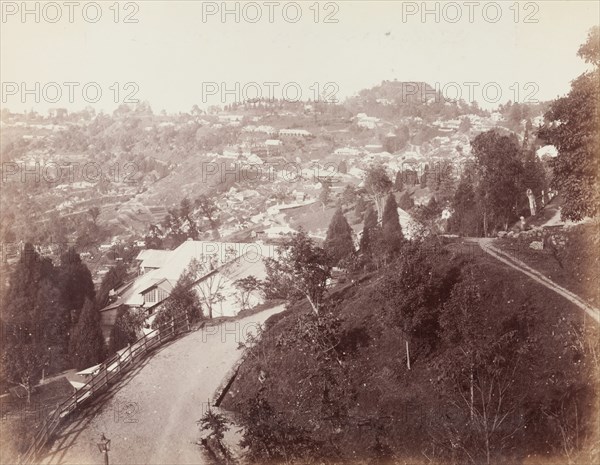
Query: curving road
[(486, 245), (151, 415)]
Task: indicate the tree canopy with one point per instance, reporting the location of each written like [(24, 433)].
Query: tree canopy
[(572, 127)]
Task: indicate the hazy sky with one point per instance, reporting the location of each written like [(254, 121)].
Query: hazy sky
[(173, 53)]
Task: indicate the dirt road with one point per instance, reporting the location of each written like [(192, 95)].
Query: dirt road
[(151, 417), (486, 245)]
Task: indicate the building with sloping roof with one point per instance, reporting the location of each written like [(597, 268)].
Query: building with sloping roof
[(222, 263)]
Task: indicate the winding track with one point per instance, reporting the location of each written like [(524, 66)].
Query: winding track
[(486, 245), (151, 416)]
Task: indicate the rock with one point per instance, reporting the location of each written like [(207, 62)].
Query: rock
[(501, 233), (537, 245)]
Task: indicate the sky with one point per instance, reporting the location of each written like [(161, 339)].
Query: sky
[(180, 53)]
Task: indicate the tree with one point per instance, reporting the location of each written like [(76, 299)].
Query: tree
[(377, 185), (446, 182), (211, 291), (302, 268), (75, 282), (22, 364), (246, 287), (398, 182), (126, 330), (87, 346), (208, 209), (572, 127), (339, 243), (429, 215), (465, 217), (153, 239), (53, 325), (32, 311), (179, 225), (499, 169), (481, 366), (390, 224), (370, 224), (410, 292), (325, 194)]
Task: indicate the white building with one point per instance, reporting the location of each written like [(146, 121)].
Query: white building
[(221, 264)]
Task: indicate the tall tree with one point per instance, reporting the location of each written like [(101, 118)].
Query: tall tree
[(572, 128), (398, 182), (339, 243), (366, 240), (75, 282), (390, 224), (465, 218), (325, 194), (302, 268), (209, 210), (377, 185), (499, 169), (87, 346)]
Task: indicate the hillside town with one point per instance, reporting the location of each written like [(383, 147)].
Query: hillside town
[(393, 276)]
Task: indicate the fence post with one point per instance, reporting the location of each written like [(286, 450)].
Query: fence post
[(187, 320)]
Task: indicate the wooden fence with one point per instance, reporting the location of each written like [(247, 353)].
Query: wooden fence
[(107, 372)]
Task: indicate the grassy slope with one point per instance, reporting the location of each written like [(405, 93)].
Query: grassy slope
[(403, 405)]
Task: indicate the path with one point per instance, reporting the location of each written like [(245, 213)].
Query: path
[(486, 245), (151, 418)]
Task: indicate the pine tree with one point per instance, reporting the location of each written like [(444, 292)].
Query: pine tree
[(338, 242), (75, 282), (87, 346), (398, 182), (390, 223)]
